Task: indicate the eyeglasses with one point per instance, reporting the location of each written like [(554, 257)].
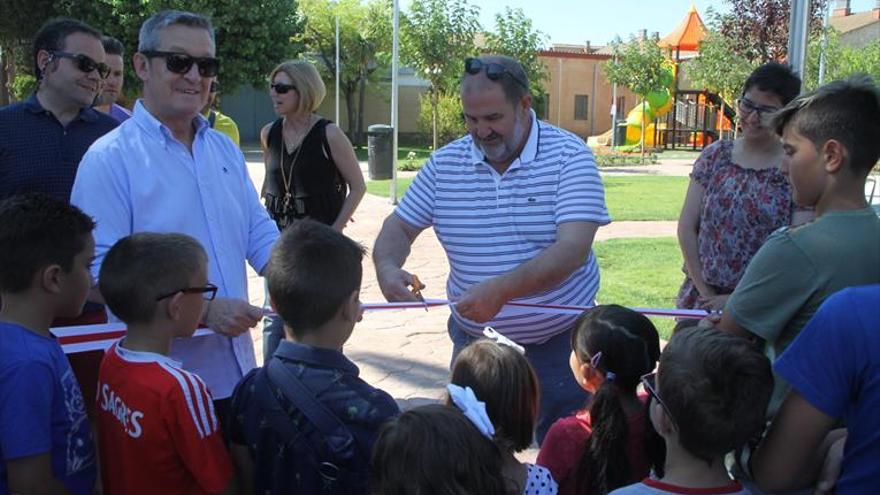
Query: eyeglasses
[(208, 292), (85, 63), (747, 106), (494, 71), (181, 63), (649, 381), (282, 89)]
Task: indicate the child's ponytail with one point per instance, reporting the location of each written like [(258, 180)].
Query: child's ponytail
[(623, 345)]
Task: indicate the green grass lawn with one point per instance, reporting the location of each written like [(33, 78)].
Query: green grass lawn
[(641, 272), (644, 198), (628, 198)]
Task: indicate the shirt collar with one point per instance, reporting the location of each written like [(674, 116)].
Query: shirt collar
[(32, 104), (156, 128), (316, 356), (528, 153), (142, 357)]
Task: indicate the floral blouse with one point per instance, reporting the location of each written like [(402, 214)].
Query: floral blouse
[(741, 207)]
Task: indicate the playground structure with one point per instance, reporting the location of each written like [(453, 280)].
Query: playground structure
[(674, 118)]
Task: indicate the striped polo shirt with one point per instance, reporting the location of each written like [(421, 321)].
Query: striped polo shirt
[(490, 223)]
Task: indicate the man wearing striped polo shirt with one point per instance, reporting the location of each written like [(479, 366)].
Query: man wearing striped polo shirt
[(515, 204)]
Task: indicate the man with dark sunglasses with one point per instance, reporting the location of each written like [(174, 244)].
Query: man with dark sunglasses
[(43, 138), (515, 204), (166, 170)]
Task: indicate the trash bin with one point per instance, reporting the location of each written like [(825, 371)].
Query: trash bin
[(380, 152), (620, 133)]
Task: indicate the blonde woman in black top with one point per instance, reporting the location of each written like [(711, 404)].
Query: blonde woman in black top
[(311, 168)]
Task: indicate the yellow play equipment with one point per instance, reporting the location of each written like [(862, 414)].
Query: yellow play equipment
[(657, 103)]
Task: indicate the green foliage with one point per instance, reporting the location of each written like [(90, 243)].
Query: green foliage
[(449, 123), (515, 37), (719, 68), (840, 60), (364, 40), (23, 86), (616, 159), (436, 37)]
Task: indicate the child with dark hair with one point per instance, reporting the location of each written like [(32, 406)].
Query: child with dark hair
[(501, 376), (305, 422), (831, 139), (157, 429), (46, 249), (435, 450), (603, 446), (707, 399)]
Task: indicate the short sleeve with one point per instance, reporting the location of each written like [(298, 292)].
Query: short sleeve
[(195, 432), (417, 206), (777, 283), (704, 167), (824, 361), (26, 394), (580, 195)]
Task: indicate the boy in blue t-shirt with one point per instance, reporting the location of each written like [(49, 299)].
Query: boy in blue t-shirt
[(46, 249), (833, 368)]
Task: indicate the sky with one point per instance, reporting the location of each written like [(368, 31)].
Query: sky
[(599, 21)]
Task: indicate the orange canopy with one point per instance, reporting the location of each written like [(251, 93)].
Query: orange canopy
[(688, 35)]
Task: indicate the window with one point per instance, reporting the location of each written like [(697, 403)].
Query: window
[(580, 107)]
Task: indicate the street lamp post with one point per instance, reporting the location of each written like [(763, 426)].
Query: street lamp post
[(395, 42)]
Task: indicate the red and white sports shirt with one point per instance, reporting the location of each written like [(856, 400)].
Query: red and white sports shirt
[(157, 431)]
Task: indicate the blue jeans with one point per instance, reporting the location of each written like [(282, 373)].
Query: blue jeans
[(561, 396), (273, 330)]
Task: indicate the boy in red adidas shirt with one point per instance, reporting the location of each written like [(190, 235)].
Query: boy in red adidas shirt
[(157, 431)]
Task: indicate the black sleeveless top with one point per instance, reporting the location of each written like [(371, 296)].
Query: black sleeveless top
[(314, 186)]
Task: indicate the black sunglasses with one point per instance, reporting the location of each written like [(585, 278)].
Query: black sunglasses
[(85, 63), (181, 63), (748, 106), (282, 88), (649, 381), (209, 292), (493, 71)]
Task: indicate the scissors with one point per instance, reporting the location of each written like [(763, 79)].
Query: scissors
[(417, 287)]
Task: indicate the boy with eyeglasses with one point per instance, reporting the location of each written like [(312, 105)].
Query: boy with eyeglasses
[(707, 398), (157, 429)]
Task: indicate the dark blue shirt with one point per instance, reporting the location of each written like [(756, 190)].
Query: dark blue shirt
[(38, 154), (334, 381)]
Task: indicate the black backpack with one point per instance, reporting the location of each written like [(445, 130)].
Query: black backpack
[(324, 459)]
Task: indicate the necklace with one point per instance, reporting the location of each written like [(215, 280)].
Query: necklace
[(287, 179)]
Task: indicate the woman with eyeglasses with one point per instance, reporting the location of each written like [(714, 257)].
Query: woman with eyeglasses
[(311, 168), (737, 195)]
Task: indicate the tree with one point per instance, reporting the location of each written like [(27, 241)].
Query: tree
[(437, 35), (719, 68), (758, 29), (365, 47), (840, 60), (514, 36), (637, 65), (20, 20)]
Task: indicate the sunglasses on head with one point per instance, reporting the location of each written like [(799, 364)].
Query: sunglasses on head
[(181, 63), (208, 292), (494, 71), (282, 88), (85, 63)]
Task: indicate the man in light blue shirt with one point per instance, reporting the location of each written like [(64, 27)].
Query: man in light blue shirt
[(165, 170)]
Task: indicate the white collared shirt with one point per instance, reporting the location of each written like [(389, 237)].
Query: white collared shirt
[(490, 223), (139, 178)]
